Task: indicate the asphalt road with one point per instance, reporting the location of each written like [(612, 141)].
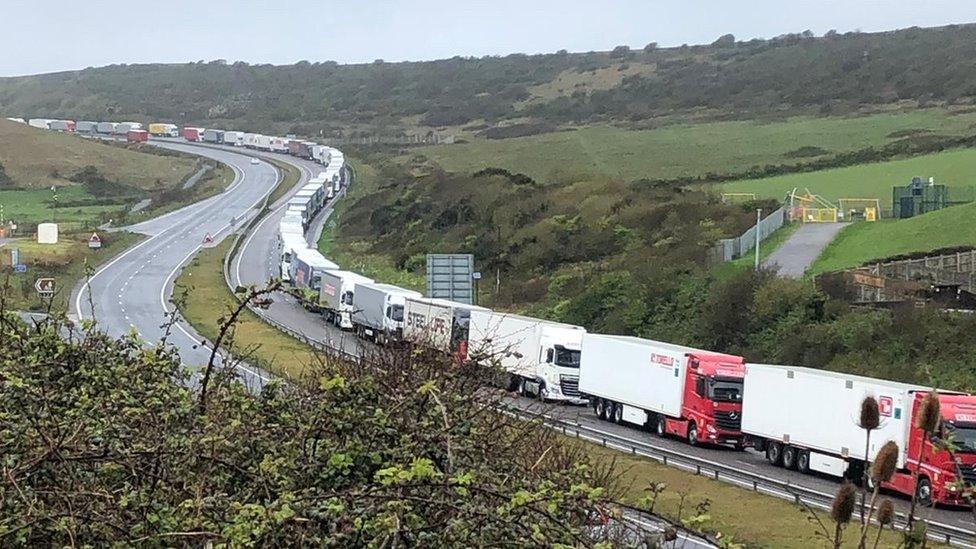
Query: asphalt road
[(132, 291), (795, 256)]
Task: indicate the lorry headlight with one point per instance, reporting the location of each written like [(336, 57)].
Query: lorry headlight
[(710, 428), (952, 487)]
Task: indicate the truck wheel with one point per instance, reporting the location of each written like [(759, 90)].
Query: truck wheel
[(924, 491), (789, 457), (692, 433), (601, 409), (774, 453), (803, 462), (524, 388), (661, 427), (618, 413)]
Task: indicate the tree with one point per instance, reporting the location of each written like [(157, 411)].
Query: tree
[(724, 41), (650, 47), (620, 52)]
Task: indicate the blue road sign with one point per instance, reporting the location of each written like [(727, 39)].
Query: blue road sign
[(20, 269)]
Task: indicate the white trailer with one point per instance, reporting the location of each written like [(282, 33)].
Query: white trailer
[(437, 323), (541, 357), (320, 154), (794, 412), (337, 293), (123, 128), (378, 311), (290, 245), (40, 123), (234, 138), (17, 120), (86, 126), (278, 144), (62, 125), (106, 127), (306, 267), (262, 142)]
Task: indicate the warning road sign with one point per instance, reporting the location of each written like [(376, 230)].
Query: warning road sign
[(207, 239), (44, 286), (95, 241)]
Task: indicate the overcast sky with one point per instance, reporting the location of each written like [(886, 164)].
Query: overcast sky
[(49, 35)]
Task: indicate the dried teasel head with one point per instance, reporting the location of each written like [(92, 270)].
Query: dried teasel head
[(928, 413), (885, 463), (886, 512), (844, 502), (870, 416)]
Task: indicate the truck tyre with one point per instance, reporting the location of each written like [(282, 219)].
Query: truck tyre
[(692, 433), (601, 409), (803, 462), (661, 426), (774, 453), (924, 491), (513, 385), (789, 457), (524, 387), (618, 413)]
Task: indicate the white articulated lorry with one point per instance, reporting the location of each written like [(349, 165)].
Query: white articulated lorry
[(377, 312), (336, 295), (542, 358), (438, 323), (806, 419), (675, 390)]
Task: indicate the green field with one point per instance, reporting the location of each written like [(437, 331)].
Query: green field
[(35, 206), (863, 242), (686, 149), (954, 168)]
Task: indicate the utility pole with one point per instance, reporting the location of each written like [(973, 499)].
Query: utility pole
[(758, 221)]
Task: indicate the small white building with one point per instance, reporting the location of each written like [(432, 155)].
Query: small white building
[(47, 233)]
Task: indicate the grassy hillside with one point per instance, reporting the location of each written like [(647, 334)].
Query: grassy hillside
[(787, 75), (875, 180), (694, 150), (35, 158), (860, 243)]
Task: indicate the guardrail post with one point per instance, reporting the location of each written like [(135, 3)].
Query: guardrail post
[(755, 485), (604, 442), (796, 498), (665, 459), (716, 474), (698, 469)]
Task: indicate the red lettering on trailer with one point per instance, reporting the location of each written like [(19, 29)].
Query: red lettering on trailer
[(885, 406), (662, 359)]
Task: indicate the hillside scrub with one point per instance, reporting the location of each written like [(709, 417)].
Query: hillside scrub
[(789, 74), (105, 444)]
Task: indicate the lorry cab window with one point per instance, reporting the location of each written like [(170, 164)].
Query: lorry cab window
[(725, 390), (567, 358), (963, 435), (700, 387), (548, 355), (395, 312)]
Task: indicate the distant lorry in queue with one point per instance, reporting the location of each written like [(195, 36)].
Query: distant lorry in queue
[(137, 136), (86, 126), (336, 293), (106, 127), (378, 311), (305, 269), (278, 144), (212, 136), (672, 389), (301, 149), (438, 323), (40, 123), (164, 130), (805, 419), (192, 134), (290, 245), (123, 128), (62, 125), (234, 138), (541, 358), (320, 153)]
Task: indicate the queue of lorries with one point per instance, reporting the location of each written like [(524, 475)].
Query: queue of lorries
[(801, 418)]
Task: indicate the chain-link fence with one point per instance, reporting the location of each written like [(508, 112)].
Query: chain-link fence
[(728, 249)]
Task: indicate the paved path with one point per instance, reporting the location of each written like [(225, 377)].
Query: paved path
[(796, 255)]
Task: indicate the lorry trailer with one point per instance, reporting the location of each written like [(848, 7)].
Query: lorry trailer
[(438, 323), (40, 123), (212, 136), (86, 126), (336, 293), (123, 128), (62, 125), (306, 267), (806, 419), (192, 134), (137, 136), (164, 130), (675, 390), (378, 311), (106, 127), (541, 358), (234, 138)]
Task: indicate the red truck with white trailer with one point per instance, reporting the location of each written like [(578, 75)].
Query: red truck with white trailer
[(806, 419), (193, 134), (137, 136), (676, 390)]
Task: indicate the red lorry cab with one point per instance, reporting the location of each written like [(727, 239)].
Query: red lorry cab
[(712, 403), (942, 479), (192, 134)]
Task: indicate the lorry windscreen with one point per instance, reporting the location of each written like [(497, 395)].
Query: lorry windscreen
[(963, 436), (725, 390), (396, 313), (567, 358)]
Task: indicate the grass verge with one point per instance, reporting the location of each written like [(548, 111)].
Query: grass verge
[(290, 176), (65, 261), (208, 300), (735, 514)]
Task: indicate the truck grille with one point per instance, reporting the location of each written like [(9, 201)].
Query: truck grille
[(729, 421), (968, 474), (569, 386)]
